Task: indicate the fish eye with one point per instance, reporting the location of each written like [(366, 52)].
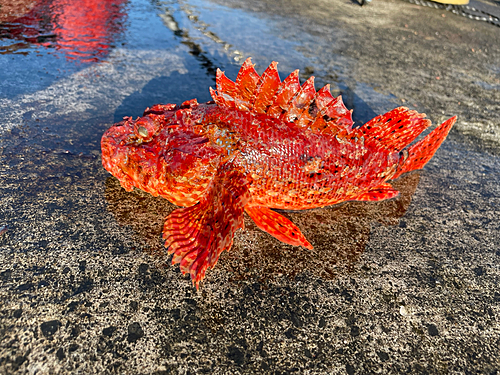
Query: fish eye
[(143, 132)]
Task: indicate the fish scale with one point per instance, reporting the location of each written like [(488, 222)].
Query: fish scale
[(262, 144)]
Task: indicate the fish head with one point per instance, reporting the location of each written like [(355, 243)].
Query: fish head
[(162, 155), (130, 150)]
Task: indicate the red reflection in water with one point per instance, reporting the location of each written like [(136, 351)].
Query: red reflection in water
[(83, 29)]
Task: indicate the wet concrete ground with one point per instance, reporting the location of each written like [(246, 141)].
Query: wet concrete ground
[(403, 286)]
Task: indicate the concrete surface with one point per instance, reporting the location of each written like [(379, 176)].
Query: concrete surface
[(403, 286)]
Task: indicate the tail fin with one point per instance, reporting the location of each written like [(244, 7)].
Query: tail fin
[(422, 151)]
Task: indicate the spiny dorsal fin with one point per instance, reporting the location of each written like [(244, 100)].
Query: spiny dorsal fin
[(301, 101), (289, 87), (246, 83), (226, 90), (267, 88), (287, 100)]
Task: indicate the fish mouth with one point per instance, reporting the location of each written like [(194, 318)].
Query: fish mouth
[(127, 154), (112, 147)]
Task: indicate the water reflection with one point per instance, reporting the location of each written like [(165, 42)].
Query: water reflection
[(83, 30), (339, 234), (195, 49)]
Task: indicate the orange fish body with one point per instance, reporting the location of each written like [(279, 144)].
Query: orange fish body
[(261, 144)]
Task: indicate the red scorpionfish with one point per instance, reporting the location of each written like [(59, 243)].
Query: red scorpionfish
[(261, 144)]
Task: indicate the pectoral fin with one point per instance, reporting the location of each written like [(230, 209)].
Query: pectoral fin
[(381, 192), (277, 226), (197, 235)]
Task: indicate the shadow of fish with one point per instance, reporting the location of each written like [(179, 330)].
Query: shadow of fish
[(340, 233)]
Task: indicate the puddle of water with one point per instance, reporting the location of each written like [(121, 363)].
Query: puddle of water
[(44, 41), (56, 39), (82, 30)]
